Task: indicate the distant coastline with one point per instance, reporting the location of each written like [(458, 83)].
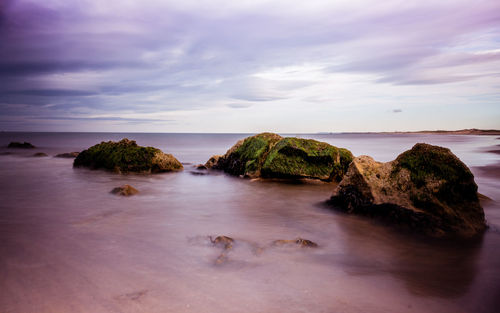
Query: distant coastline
[(471, 131)]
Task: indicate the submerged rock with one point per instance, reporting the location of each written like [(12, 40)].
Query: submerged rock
[(426, 188), (127, 156), (68, 155), (226, 243), (272, 156), (299, 242), (24, 145), (125, 190), (40, 154)]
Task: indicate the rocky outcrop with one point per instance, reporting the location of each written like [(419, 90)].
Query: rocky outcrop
[(126, 156), (40, 154), (125, 190), (68, 155), (23, 145), (272, 156), (427, 189)]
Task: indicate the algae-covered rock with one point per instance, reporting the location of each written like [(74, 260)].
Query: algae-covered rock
[(247, 156), (306, 158), (127, 156), (21, 145), (426, 188), (272, 156)]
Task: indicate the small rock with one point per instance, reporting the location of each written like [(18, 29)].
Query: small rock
[(201, 167), (25, 145), (40, 154), (227, 242), (68, 155), (125, 190), (299, 241)]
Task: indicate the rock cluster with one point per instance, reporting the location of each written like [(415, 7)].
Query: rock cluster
[(126, 156)]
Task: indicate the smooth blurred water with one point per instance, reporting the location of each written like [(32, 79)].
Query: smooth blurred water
[(68, 245)]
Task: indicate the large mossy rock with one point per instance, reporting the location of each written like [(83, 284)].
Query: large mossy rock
[(296, 158), (272, 156), (246, 156), (426, 188), (126, 156)]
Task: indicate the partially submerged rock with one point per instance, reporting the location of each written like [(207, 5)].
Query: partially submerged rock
[(296, 242), (23, 145), (213, 161), (68, 155), (226, 243), (40, 154), (272, 156), (126, 156), (125, 190), (426, 188), (247, 156)]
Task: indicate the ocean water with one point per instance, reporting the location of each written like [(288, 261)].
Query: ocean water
[(68, 245)]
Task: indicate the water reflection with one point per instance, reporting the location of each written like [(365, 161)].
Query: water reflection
[(427, 266)]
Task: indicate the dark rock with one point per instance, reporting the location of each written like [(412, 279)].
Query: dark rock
[(68, 155), (427, 189), (40, 154), (24, 145), (125, 190), (126, 156), (201, 167), (272, 156)]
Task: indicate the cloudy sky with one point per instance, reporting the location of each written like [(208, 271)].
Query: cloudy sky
[(249, 66)]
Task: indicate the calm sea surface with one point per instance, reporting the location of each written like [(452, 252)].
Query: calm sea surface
[(68, 245)]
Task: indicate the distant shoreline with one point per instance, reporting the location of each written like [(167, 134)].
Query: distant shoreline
[(471, 131)]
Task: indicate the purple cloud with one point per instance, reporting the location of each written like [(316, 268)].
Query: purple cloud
[(83, 58)]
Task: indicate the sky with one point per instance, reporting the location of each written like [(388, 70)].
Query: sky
[(249, 66)]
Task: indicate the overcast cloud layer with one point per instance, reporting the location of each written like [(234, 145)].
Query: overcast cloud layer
[(249, 66)]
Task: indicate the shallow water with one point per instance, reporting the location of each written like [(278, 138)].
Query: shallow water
[(68, 245)]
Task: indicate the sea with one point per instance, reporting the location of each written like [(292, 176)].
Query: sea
[(68, 245)]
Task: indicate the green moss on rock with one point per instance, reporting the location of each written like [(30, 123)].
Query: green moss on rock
[(427, 162), (247, 156), (272, 156), (126, 156), (306, 158)]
